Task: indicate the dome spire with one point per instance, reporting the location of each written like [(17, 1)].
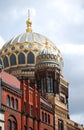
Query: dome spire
[(29, 23)]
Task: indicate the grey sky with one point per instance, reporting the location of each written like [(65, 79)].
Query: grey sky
[(62, 21)]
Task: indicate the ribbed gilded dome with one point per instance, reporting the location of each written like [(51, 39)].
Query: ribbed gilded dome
[(27, 37), (18, 55), (47, 57)]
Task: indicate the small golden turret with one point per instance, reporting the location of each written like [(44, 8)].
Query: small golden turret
[(29, 23)]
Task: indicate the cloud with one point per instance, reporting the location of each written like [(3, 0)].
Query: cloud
[(17, 13), (78, 118), (24, 12), (72, 49), (73, 55), (66, 21), (72, 11)]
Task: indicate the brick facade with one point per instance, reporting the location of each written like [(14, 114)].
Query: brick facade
[(26, 109)]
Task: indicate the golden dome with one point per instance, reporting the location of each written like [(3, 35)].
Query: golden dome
[(48, 58), (18, 55)]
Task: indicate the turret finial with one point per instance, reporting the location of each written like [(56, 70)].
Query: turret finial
[(46, 44), (28, 13), (29, 23)]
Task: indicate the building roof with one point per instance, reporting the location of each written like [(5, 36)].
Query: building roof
[(10, 79), (44, 101)]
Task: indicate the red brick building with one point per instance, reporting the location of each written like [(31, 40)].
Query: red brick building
[(33, 91), (23, 105)]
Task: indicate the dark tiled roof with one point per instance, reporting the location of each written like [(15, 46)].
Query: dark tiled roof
[(10, 79)]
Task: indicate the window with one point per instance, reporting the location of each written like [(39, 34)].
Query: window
[(21, 58), (12, 124), (43, 85), (36, 112), (9, 124), (12, 60), (12, 102), (42, 116), (50, 85), (31, 110), (13, 48), (30, 58), (60, 125), (48, 119), (45, 117), (24, 106), (62, 99), (21, 46), (51, 82), (5, 60), (16, 104), (8, 100)]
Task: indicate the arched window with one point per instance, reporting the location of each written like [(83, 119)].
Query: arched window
[(8, 100), (45, 117), (48, 119), (42, 116), (30, 58), (12, 123), (5, 60), (43, 85), (16, 104), (49, 86), (9, 124), (12, 102), (21, 58), (12, 60)]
